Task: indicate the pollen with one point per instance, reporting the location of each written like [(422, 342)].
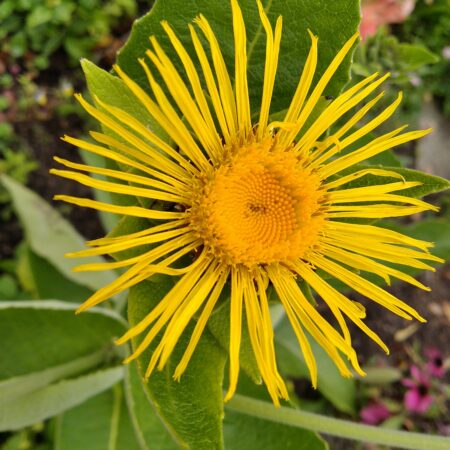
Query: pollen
[(260, 206)]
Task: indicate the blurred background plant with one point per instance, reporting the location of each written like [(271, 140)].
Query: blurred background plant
[(33, 30), (41, 42)]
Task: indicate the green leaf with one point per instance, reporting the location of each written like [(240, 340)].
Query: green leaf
[(50, 235), (100, 423), (244, 432), (150, 429), (332, 385), (38, 335), (219, 326), (56, 398), (44, 281), (430, 183), (193, 407), (381, 375), (334, 23), (20, 385), (435, 230), (413, 56)]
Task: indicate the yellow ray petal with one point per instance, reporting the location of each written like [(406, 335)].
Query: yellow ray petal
[(318, 90), (223, 79), (303, 87), (270, 67), (134, 211), (188, 243), (361, 131), (337, 109), (235, 329), (378, 233), (186, 311), (176, 185), (201, 323), (373, 148), (254, 325), (124, 176), (367, 288), (212, 87), (362, 173), (130, 137), (334, 140), (379, 211), (362, 263), (117, 188), (128, 243), (188, 107), (152, 229), (193, 77), (240, 65)]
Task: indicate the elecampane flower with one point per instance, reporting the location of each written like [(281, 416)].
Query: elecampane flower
[(255, 203)]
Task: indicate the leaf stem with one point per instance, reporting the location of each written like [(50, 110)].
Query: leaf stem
[(337, 427)]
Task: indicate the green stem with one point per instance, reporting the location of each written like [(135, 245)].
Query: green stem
[(337, 427)]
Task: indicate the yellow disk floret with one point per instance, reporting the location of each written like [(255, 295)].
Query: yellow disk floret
[(261, 206)]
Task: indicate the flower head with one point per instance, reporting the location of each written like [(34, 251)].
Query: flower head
[(374, 413), (435, 362), (418, 398), (253, 201)]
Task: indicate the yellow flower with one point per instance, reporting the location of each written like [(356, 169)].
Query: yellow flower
[(255, 203)]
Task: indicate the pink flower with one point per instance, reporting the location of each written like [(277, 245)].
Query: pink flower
[(374, 413), (417, 397), (435, 363), (380, 12)]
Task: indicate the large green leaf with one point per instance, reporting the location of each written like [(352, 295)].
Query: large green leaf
[(39, 335), (338, 390), (56, 398), (334, 22), (50, 236), (100, 423), (17, 386), (150, 428), (193, 407), (429, 183), (43, 280)]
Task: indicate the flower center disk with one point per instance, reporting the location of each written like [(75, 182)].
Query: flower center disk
[(260, 206)]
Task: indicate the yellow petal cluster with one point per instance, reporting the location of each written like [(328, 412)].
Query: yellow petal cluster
[(254, 203)]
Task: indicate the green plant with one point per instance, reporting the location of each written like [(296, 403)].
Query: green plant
[(429, 25), (33, 29), (407, 63)]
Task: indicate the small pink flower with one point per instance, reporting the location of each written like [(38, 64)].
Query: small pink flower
[(374, 413), (417, 398), (435, 362)]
